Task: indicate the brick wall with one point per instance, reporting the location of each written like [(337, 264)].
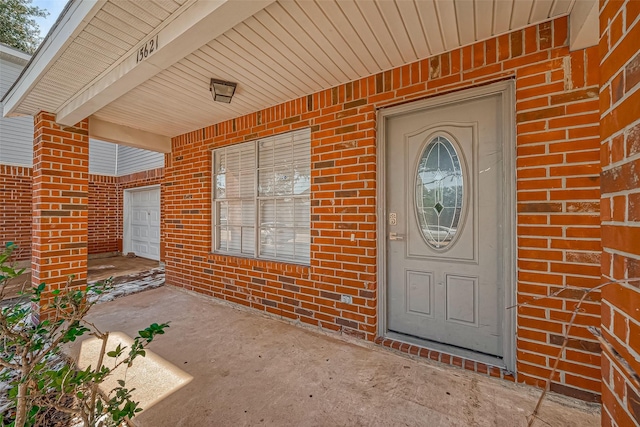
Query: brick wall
[(620, 133), (140, 179), (557, 198), (134, 180), (104, 214), (15, 209), (106, 196)]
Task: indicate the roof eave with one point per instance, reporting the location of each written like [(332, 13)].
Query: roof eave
[(14, 55), (74, 17)]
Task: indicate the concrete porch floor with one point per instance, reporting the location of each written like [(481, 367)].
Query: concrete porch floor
[(117, 266), (249, 369)]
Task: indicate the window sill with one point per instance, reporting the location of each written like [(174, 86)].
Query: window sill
[(266, 263)]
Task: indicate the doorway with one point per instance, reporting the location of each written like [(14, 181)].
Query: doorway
[(142, 222), (446, 226)]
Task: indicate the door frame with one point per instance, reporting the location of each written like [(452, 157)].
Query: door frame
[(126, 215), (506, 89)]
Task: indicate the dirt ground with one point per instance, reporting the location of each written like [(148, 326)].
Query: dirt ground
[(98, 269)]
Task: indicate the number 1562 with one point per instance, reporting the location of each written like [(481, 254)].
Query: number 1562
[(147, 49)]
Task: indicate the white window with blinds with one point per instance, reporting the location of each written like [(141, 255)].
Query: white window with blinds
[(261, 205)]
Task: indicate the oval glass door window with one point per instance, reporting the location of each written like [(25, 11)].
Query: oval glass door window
[(439, 192)]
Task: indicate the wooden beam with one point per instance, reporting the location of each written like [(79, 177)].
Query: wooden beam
[(124, 135)]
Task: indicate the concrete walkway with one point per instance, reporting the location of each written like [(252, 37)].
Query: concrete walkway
[(250, 370)]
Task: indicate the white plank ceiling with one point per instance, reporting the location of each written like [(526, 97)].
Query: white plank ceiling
[(287, 50), (115, 29)]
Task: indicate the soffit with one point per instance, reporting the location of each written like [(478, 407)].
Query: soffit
[(109, 35), (293, 48), (286, 50)]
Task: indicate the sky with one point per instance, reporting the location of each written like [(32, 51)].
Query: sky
[(54, 7)]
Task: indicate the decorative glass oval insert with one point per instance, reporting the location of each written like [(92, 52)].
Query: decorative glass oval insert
[(439, 192)]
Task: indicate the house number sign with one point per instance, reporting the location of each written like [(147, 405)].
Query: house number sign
[(147, 49)]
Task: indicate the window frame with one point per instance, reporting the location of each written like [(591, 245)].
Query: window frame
[(257, 199)]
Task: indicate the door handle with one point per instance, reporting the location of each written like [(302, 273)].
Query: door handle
[(396, 236)]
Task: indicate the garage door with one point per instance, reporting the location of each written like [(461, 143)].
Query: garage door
[(144, 222)]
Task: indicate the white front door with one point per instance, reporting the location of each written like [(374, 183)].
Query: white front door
[(144, 222), (446, 194)]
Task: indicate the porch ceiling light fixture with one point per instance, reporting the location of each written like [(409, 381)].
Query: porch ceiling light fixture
[(222, 91)]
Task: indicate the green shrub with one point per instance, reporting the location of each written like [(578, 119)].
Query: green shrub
[(39, 378)]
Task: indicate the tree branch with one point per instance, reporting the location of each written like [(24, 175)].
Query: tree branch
[(587, 291)]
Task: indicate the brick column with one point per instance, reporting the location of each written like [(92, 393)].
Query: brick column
[(60, 187), (620, 213)]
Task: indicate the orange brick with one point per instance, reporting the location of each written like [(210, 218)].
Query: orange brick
[(558, 173)]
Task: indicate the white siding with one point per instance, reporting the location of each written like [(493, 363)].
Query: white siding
[(16, 134), (9, 72), (102, 157), (16, 140), (132, 160)]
